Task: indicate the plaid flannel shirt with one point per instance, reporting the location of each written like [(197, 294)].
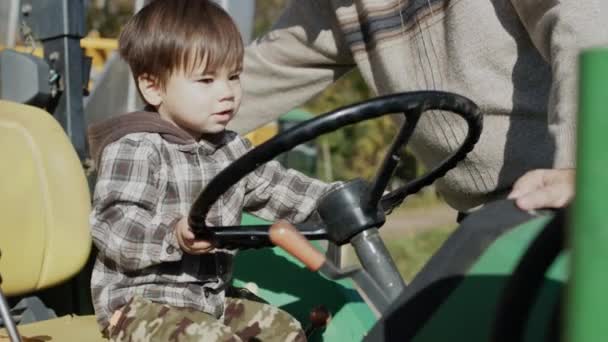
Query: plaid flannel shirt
[(145, 184)]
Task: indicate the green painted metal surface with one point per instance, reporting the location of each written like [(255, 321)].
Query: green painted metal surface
[(304, 156), (468, 313), (285, 282), (296, 115), (587, 301)]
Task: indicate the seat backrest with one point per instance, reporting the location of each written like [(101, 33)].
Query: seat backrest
[(44, 202)]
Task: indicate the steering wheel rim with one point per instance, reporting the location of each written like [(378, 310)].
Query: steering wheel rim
[(411, 104)]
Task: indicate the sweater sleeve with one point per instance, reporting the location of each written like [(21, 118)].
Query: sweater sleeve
[(300, 56), (126, 226), (560, 29)]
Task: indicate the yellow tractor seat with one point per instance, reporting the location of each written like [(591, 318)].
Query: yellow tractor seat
[(44, 206), (66, 328)]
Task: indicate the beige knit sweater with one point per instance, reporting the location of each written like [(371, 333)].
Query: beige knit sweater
[(517, 59)]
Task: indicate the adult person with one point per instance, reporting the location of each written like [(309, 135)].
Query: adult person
[(516, 59)]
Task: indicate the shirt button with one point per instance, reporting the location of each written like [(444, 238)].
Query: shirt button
[(170, 250)]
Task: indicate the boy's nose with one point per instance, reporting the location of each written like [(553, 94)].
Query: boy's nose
[(226, 92)]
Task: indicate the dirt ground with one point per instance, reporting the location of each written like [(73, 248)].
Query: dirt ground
[(413, 220)]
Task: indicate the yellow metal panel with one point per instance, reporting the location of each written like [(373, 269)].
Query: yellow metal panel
[(44, 202), (99, 49), (92, 42), (261, 134)]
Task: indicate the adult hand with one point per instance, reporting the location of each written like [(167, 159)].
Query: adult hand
[(187, 241), (544, 188)]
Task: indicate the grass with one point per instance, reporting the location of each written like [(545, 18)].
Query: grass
[(413, 249), (410, 251), (425, 198)]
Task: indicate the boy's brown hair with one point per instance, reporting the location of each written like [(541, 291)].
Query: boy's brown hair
[(170, 35)]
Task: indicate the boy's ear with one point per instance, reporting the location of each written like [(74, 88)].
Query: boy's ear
[(150, 89)]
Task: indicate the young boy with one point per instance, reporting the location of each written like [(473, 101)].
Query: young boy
[(152, 279)]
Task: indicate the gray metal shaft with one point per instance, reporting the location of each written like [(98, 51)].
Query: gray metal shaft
[(5, 313), (378, 263)]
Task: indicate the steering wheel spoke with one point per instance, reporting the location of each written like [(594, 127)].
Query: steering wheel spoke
[(256, 236), (391, 160)]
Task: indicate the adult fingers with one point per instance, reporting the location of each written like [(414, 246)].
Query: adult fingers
[(529, 182), (559, 176), (551, 196)]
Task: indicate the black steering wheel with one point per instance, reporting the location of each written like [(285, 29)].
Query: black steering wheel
[(364, 205)]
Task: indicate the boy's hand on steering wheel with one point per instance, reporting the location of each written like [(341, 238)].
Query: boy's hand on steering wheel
[(187, 241), (544, 188)]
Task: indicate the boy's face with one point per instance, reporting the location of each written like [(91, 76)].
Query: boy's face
[(200, 101)]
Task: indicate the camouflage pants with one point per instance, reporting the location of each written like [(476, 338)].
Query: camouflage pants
[(244, 320)]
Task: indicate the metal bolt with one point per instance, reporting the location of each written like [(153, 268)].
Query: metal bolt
[(319, 316), (53, 56), (26, 9), (53, 77)]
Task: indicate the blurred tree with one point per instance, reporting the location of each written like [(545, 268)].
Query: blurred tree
[(266, 12), (107, 16)]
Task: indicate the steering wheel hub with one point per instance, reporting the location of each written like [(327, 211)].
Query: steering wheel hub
[(346, 211)]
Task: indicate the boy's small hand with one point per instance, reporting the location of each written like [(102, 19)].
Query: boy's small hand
[(187, 241)]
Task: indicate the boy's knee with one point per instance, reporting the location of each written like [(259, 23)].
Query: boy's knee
[(281, 326), (254, 321)]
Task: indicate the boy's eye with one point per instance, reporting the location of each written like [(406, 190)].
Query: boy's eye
[(235, 77), (205, 80)]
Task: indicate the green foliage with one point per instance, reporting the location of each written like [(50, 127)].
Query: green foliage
[(108, 20), (266, 12), (358, 150)]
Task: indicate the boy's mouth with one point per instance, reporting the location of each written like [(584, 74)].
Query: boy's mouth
[(227, 114)]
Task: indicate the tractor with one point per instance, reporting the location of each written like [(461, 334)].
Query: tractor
[(502, 275)]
